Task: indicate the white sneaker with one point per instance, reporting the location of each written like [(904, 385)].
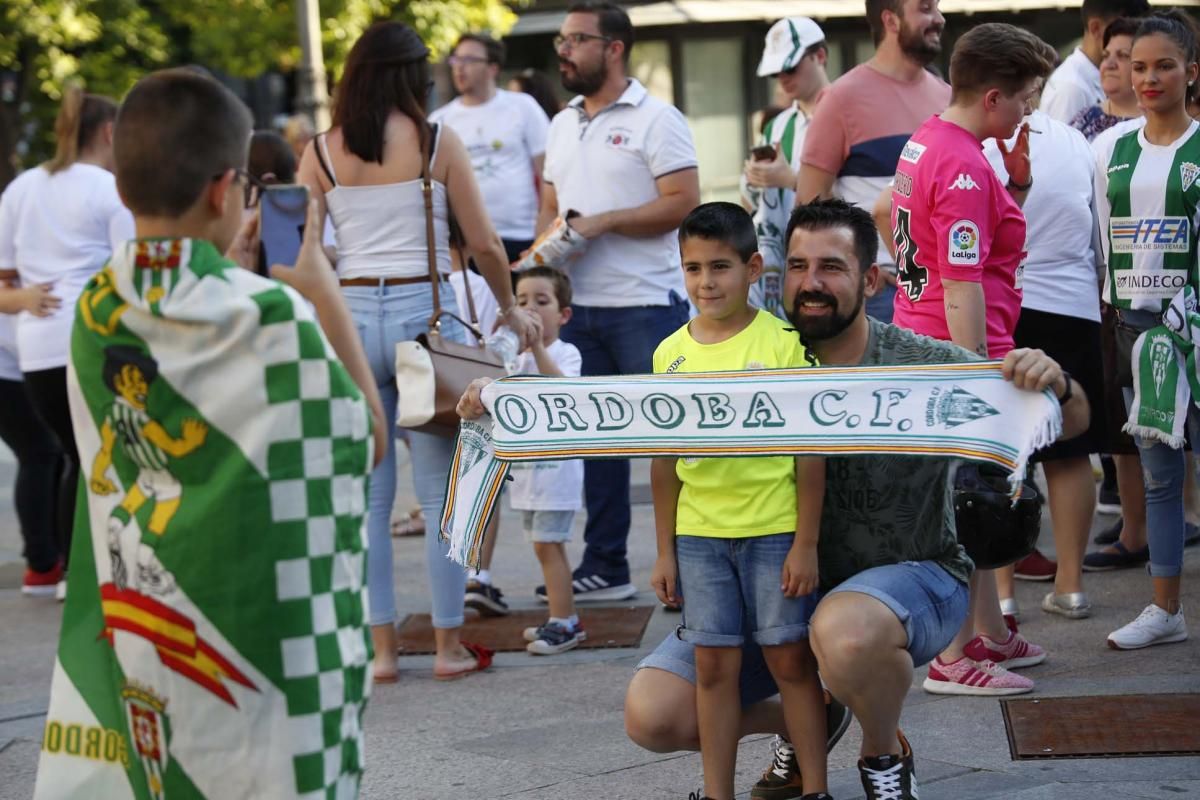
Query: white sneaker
[(1153, 626), (60, 591)]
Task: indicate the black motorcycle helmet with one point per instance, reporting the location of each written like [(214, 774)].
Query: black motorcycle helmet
[(994, 532)]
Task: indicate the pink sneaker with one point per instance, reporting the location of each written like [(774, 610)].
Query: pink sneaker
[(971, 677), (1014, 652)]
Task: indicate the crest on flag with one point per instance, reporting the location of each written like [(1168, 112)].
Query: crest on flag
[(148, 725), (1188, 172)]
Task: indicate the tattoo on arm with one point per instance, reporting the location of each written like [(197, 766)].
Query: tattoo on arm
[(982, 350)]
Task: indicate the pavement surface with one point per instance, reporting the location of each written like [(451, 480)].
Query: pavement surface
[(538, 728)]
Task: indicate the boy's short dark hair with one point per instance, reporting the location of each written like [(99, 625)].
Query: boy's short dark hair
[(834, 213), (1111, 9), (558, 279), (727, 223), (491, 46), (614, 22), (998, 55), (175, 133)]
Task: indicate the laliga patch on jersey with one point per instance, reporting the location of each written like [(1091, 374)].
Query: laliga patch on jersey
[(1149, 234), (912, 152), (964, 182), (1188, 172), (964, 242)]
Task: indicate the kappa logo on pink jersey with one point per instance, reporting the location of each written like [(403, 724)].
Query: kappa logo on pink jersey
[(964, 181)]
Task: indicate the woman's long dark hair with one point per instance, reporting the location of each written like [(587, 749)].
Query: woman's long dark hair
[(387, 70)]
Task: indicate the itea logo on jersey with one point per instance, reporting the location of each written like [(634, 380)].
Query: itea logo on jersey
[(1149, 234)]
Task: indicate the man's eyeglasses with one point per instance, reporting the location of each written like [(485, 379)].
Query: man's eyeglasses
[(252, 187), (577, 40), (465, 61)]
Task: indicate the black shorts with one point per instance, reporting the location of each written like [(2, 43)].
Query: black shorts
[(1115, 440), (1075, 344)]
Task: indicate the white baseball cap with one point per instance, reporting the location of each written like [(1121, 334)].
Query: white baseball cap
[(787, 42)]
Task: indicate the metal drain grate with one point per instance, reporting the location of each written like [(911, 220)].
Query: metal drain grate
[(1103, 726)]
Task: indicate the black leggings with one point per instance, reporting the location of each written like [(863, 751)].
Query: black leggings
[(40, 468), (47, 391)]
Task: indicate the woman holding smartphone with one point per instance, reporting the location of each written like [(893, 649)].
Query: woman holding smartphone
[(366, 173), (1146, 178)]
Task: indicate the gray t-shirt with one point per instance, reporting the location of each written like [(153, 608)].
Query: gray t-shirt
[(889, 509)]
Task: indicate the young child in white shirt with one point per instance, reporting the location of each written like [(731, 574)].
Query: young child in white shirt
[(548, 493)]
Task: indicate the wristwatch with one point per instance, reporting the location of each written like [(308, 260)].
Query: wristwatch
[(1066, 396)]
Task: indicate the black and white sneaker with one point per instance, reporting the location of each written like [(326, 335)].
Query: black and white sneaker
[(890, 777), (593, 588), (486, 599), (552, 638), (781, 781)]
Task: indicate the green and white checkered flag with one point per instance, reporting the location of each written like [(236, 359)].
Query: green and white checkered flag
[(214, 642)]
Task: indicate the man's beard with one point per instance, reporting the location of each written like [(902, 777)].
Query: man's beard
[(584, 83), (819, 329), (913, 45)]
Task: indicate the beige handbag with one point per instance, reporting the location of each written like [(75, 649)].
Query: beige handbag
[(431, 372)]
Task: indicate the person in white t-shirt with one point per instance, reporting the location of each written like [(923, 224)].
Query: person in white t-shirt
[(1060, 314), (795, 55), (59, 223), (547, 494), (626, 163), (1075, 85), (505, 135)]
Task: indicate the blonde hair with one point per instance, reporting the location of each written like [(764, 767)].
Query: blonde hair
[(79, 118)]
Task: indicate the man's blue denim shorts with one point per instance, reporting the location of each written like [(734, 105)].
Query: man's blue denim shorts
[(929, 602), (732, 590)]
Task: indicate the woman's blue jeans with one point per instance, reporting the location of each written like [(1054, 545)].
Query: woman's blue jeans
[(385, 315), (1164, 470)]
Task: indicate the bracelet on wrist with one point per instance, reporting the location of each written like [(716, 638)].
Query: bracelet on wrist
[(1068, 393), (1021, 187)]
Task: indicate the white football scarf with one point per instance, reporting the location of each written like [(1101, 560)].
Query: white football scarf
[(950, 411)]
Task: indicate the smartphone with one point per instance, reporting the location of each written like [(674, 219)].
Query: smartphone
[(283, 211), (764, 152)]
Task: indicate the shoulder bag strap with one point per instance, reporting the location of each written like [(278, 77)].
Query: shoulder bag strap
[(430, 241)]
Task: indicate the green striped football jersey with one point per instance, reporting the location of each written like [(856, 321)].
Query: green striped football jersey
[(1149, 215)]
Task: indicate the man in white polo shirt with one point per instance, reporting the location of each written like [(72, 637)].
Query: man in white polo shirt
[(1075, 85), (505, 133), (626, 163)]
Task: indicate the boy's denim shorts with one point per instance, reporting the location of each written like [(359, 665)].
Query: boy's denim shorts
[(732, 591), (547, 526), (930, 603)]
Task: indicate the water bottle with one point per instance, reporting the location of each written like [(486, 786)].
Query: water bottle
[(505, 344)]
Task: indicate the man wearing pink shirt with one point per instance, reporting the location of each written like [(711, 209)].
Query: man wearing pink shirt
[(960, 243)]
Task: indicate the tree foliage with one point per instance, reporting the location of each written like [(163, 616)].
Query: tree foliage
[(108, 44)]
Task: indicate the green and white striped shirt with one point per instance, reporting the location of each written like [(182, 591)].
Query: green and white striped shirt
[(127, 423), (1149, 209)]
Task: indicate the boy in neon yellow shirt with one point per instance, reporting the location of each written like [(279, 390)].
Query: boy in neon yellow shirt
[(739, 535)]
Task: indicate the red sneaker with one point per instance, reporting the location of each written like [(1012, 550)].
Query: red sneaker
[(42, 584), (1035, 567)]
